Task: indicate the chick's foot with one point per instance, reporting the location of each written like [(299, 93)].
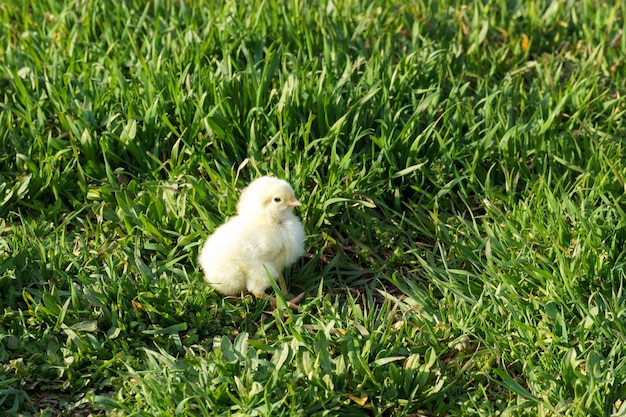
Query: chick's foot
[(292, 304)]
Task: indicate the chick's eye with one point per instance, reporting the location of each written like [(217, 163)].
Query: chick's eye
[(277, 199)]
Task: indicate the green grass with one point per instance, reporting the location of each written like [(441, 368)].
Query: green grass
[(463, 179)]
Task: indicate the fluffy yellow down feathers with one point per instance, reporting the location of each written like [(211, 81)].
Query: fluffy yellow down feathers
[(263, 238)]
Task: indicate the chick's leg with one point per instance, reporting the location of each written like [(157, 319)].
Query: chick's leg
[(293, 303), (257, 282), (283, 285), (260, 295)]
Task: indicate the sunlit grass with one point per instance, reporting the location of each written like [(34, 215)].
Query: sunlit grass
[(463, 179)]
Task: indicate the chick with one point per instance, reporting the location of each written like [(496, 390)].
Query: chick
[(263, 238)]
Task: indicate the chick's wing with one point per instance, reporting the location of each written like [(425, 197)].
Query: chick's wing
[(259, 241)]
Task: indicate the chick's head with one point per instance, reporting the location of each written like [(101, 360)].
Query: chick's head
[(267, 196)]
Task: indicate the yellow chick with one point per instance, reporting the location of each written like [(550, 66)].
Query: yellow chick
[(263, 238)]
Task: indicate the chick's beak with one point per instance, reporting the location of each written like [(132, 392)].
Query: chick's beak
[(294, 203)]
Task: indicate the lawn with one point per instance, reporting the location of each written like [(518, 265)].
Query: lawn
[(462, 169)]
